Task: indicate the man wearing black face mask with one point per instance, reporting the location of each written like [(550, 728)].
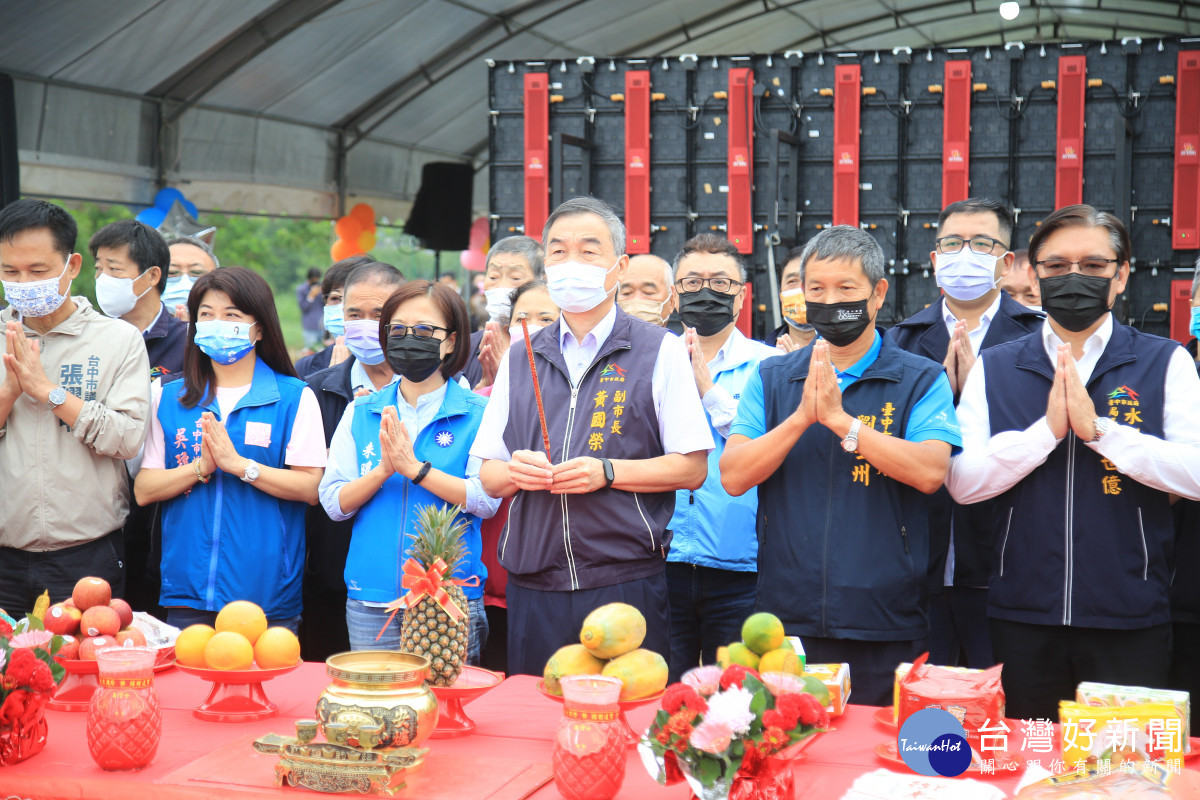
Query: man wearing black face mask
[(844, 438), (711, 569), (1081, 577)]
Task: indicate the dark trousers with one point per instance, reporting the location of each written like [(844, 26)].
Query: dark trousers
[(24, 574), (872, 664), (1185, 664), (495, 651), (323, 627), (540, 622), (143, 555), (708, 607), (958, 628), (1044, 663)]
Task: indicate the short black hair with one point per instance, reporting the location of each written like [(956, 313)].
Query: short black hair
[(29, 214), (793, 254), (335, 276), (146, 247), (714, 244), (313, 272), (980, 205)]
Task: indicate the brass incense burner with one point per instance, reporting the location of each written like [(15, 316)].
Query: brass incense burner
[(377, 700), (330, 767)]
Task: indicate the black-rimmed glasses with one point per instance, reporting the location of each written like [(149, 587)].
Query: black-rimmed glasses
[(419, 331)]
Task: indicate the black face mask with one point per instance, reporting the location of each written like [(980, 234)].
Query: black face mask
[(413, 358), (1073, 300), (706, 310), (839, 323)]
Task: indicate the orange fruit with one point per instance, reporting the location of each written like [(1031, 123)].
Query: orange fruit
[(244, 617), (228, 650), (189, 647), (277, 647)]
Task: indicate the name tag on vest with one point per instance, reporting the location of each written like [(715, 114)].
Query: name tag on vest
[(258, 434)]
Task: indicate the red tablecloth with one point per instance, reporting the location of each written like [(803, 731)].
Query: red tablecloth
[(509, 751)]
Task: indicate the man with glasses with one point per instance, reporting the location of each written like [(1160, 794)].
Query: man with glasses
[(713, 564), (969, 256), (1083, 541)]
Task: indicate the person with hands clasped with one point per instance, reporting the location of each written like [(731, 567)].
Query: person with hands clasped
[(844, 439), (1083, 539), (234, 453), (403, 447)]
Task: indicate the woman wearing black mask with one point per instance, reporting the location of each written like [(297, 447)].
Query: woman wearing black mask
[(404, 447)]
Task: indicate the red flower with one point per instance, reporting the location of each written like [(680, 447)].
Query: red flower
[(42, 680), (5, 628), (682, 696), (810, 710), (789, 706), (773, 738), (680, 745), (21, 663), (776, 719), (663, 736), (734, 675), (14, 708)]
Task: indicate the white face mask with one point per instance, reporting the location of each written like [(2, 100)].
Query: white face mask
[(115, 295), (966, 275), (577, 287), (517, 334), (37, 298), (499, 304)]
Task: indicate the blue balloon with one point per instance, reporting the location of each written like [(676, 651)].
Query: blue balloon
[(190, 208), (167, 197), (152, 216)]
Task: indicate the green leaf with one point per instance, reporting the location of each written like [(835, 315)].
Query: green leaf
[(753, 684), (707, 772), (737, 749), (758, 703)]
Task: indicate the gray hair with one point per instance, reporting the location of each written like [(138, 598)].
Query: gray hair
[(526, 247), (373, 272), (194, 242), (589, 205), (666, 267), (1196, 279), (845, 241)]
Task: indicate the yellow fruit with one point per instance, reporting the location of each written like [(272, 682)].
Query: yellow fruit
[(244, 617), (781, 660), (739, 653), (277, 647), (643, 673), (613, 630), (574, 659), (722, 657), (228, 650), (762, 632), (189, 646), (814, 686)]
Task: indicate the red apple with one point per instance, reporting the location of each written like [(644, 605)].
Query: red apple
[(62, 619), (91, 592), (131, 637), (124, 611), (100, 621), (89, 646), (69, 602), (69, 649)]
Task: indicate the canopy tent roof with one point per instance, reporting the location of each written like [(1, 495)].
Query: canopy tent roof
[(283, 105)]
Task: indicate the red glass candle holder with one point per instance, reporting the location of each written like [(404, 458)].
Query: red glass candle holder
[(124, 720), (590, 748)]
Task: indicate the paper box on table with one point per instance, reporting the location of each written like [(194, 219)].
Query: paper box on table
[(799, 648), (1110, 694), (1146, 732), (836, 678)]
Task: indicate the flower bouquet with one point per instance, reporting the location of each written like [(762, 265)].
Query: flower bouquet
[(29, 676), (732, 733)]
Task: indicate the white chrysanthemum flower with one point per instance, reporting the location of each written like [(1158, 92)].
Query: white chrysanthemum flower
[(731, 707)]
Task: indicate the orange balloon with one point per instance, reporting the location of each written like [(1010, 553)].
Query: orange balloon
[(365, 215), (348, 228), (343, 249), (366, 240)]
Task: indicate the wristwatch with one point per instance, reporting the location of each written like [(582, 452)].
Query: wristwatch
[(609, 475), (850, 443), (1102, 425), (251, 471), (58, 396)]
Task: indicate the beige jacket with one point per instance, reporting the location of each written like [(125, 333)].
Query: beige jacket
[(62, 486)]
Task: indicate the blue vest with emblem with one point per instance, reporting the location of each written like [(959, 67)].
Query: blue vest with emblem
[(226, 539), (843, 549), (380, 542), (1075, 542)]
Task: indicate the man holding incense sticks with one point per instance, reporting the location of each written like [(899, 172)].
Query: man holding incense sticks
[(588, 523)]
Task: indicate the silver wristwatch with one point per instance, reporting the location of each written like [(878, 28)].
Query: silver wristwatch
[(1102, 425), (850, 443), (251, 471), (58, 396)]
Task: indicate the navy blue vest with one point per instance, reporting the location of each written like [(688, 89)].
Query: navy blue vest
[(1075, 542), (843, 549)]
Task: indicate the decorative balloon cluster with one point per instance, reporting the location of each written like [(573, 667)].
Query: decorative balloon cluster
[(163, 202), (173, 215), (355, 233)]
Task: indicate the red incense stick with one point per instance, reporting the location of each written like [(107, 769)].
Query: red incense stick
[(537, 388)]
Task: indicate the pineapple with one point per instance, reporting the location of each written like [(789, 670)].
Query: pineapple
[(428, 630)]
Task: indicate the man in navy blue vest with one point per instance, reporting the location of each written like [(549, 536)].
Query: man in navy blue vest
[(970, 255), (588, 525), (1083, 539), (844, 438)]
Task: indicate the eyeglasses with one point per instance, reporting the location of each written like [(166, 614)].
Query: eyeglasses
[(1088, 266), (982, 245), (722, 285), (398, 331)]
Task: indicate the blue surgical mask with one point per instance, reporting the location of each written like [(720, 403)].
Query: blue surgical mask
[(362, 340), (223, 340), (37, 298), (178, 289), (1196, 322), (334, 320), (966, 275)]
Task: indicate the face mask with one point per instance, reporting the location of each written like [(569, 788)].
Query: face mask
[(499, 303), (965, 275), (1196, 322), (577, 287), (517, 334), (647, 310), (333, 320), (362, 340), (223, 340), (708, 311), (1075, 301), (178, 289), (36, 298), (412, 358), (115, 295), (794, 309), (839, 323)]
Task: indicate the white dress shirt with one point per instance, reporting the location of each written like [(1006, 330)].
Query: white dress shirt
[(975, 337), (990, 465)]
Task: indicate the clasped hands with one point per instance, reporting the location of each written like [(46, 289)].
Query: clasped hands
[(822, 398), (531, 471), (960, 357), (1069, 405), (23, 369), (217, 450)]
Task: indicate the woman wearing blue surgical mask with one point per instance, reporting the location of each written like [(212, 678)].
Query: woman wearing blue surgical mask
[(235, 451)]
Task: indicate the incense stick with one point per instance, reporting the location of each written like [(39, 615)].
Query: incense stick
[(537, 388)]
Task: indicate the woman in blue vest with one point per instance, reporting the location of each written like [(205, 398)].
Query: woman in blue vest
[(404, 447), (235, 451)]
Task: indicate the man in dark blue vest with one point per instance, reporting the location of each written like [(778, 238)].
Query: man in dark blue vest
[(1083, 539), (970, 255), (588, 525), (844, 438)]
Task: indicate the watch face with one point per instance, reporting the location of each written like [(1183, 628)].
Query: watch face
[(849, 445), (58, 396)]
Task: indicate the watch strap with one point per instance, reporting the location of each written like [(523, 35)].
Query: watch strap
[(609, 474), (852, 434), (420, 476)]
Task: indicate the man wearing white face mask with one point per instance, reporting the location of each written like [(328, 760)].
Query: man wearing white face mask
[(969, 257), (511, 262)]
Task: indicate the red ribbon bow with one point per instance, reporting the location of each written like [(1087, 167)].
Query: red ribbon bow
[(421, 582)]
